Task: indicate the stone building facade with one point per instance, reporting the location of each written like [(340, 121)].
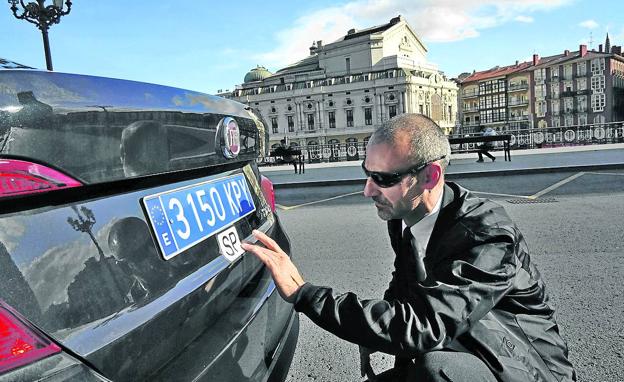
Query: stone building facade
[(342, 91)]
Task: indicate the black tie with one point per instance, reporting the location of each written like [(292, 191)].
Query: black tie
[(413, 254)]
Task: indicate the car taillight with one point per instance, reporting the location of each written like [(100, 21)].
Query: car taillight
[(267, 190), (20, 344), (18, 177)]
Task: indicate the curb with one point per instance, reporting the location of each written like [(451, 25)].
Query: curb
[(460, 175)]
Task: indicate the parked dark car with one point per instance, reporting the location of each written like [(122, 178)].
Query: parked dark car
[(122, 209)]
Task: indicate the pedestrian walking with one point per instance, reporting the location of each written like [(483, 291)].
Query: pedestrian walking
[(486, 146)]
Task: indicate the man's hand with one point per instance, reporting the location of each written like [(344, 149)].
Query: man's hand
[(366, 370), (285, 274)]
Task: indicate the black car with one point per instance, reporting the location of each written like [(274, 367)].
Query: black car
[(122, 209)]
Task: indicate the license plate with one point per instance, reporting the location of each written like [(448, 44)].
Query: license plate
[(185, 216)]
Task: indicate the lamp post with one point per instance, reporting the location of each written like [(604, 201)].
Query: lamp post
[(43, 16)]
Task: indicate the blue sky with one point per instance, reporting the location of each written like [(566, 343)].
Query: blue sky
[(209, 45)]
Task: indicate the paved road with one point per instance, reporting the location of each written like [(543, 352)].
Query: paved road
[(574, 234)]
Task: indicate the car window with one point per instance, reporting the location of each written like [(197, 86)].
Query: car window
[(58, 118)]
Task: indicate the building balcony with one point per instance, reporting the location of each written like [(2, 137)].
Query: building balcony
[(568, 93), (519, 118), (582, 92), (554, 78), (470, 110), (518, 102), (470, 93), (518, 87)]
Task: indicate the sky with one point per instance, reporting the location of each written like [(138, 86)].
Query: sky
[(208, 45)]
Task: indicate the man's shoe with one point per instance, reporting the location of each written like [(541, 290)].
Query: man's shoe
[(479, 160), (493, 159)]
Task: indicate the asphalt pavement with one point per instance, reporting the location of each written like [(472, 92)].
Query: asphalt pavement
[(575, 239), (572, 158)]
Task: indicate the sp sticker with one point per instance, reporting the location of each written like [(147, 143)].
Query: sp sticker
[(230, 244)]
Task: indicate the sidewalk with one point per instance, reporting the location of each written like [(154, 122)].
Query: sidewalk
[(578, 158)]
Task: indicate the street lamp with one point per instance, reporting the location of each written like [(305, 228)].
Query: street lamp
[(43, 16)]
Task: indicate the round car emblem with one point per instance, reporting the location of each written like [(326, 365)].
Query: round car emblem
[(231, 138)]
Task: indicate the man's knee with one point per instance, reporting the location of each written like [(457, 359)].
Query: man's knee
[(445, 366)]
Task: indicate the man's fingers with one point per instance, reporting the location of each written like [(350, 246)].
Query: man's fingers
[(259, 252), (266, 240)]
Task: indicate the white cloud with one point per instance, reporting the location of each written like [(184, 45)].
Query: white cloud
[(432, 20), (61, 264), (524, 19), (589, 24), (11, 231)]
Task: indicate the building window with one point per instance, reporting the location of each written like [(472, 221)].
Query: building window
[(332, 119), (582, 104), (567, 72), (568, 105), (348, 64), (392, 111), (291, 123), (598, 102), (310, 121), (556, 122), (540, 91), (582, 119), (554, 90), (349, 117), (581, 69), (368, 116), (598, 83), (421, 109), (274, 124), (597, 66), (541, 108), (554, 107)]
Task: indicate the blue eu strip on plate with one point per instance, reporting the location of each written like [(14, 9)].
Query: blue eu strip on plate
[(183, 217)]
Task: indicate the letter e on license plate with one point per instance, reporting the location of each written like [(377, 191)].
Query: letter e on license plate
[(230, 244)]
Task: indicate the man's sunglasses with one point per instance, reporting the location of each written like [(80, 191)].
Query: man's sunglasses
[(389, 179)]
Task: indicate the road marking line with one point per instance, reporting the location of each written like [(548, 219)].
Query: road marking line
[(605, 173), (505, 195), (556, 185), (287, 208)]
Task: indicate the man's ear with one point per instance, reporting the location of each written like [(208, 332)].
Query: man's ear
[(433, 174)]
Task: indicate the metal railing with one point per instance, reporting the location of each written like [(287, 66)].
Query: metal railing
[(578, 135)]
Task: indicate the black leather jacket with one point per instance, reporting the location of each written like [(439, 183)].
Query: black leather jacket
[(481, 292)]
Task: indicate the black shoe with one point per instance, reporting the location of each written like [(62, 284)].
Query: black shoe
[(493, 159), (479, 160)]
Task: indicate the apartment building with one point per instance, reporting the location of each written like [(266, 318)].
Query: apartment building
[(568, 89)]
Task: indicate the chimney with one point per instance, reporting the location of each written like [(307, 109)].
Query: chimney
[(566, 52), (600, 48), (319, 44), (536, 59), (313, 48), (352, 31), (517, 62), (582, 50)]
